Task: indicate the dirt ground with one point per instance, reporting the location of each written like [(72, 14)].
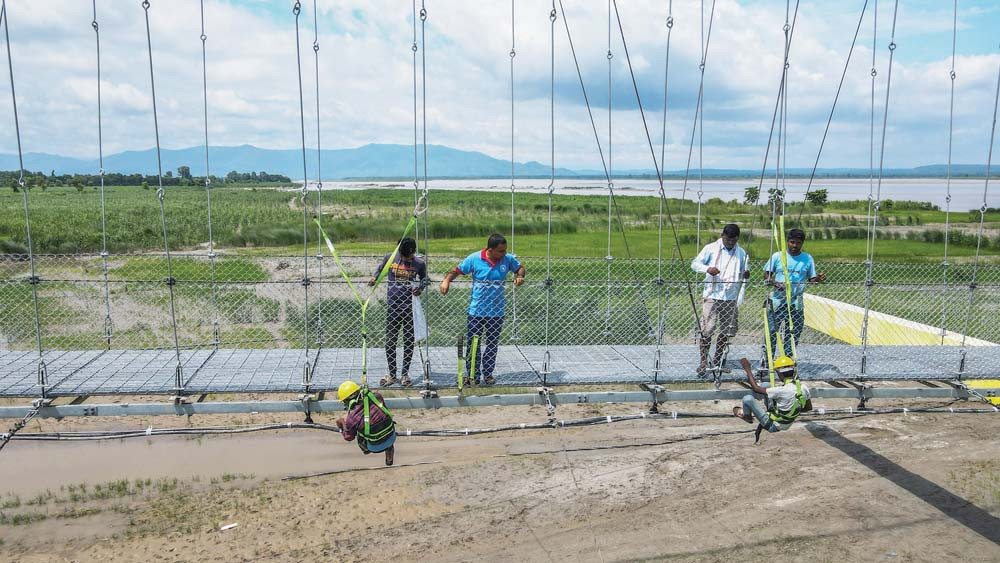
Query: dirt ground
[(914, 487)]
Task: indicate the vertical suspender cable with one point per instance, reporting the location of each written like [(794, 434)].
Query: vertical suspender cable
[(659, 232), (512, 54), (108, 327), (608, 258), (551, 188), (869, 278), (33, 280), (208, 180), (871, 139), (424, 192), (416, 146), (307, 368), (160, 194), (319, 192), (700, 115), (947, 197), (982, 220)]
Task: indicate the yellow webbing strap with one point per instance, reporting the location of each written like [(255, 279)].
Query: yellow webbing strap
[(767, 341), (788, 286), (357, 296)]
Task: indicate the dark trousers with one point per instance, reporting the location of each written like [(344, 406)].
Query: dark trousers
[(399, 318), (777, 320), (488, 330)]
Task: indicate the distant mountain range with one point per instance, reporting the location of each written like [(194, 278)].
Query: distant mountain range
[(385, 161)]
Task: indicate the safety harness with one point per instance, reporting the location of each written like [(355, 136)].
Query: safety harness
[(784, 417), (368, 398), (789, 416)]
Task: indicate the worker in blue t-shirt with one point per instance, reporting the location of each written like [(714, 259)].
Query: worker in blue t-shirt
[(801, 269), (489, 268)]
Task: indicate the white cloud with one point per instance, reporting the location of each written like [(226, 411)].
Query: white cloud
[(366, 78)]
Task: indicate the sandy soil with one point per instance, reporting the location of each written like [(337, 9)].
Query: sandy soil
[(915, 487)]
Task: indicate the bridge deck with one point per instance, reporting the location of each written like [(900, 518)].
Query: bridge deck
[(132, 372)]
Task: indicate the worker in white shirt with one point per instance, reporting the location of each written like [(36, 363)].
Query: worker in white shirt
[(724, 264)]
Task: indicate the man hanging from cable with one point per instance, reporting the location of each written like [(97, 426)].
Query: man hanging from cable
[(724, 264), (367, 419), (782, 404), (489, 268), (788, 273), (403, 275)]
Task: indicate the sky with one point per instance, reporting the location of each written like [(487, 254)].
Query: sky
[(366, 78)]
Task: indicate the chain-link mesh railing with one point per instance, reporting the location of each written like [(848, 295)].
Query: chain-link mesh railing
[(633, 328)]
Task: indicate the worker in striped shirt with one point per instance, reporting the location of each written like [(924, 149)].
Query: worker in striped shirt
[(724, 264)]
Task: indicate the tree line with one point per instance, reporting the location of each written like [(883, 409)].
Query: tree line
[(182, 178)]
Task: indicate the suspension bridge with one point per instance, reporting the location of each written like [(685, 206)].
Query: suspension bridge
[(182, 325)]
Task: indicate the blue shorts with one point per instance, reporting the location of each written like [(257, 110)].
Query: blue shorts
[(380, 446)]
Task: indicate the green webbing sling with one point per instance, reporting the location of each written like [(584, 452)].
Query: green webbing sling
[(472, 359), (369, 398), (357, 296)]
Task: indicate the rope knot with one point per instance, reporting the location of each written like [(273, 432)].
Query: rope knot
[(552, 15), (94, 25), (670, 22), (297, 8), (145, 4), (423, 14)]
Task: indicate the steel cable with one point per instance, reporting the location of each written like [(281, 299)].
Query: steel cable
[(108, 326), (947, 197), (982, 220), (160, 195), (319, 194), (216, 336), (870, 263), (308, 367)]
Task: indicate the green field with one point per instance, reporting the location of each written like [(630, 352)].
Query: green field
[(65, 220)]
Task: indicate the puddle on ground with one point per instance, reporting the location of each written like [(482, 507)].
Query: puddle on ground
[(30, 467)]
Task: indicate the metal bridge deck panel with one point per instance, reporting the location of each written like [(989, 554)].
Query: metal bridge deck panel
[(97, 372)]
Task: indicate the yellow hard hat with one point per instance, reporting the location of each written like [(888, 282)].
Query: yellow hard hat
[(783, 364), (347, 389)]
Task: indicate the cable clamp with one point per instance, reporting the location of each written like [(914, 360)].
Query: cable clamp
[(466, 431), (170, 281), (149, 431), (905, 410), (305, 282), (34, 280), (409, 432), (673, 415), (609, 419)]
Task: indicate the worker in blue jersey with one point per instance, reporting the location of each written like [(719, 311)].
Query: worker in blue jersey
[(489, 269), (787, 307)]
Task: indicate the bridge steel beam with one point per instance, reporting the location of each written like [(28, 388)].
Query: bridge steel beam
[(523, 399)]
